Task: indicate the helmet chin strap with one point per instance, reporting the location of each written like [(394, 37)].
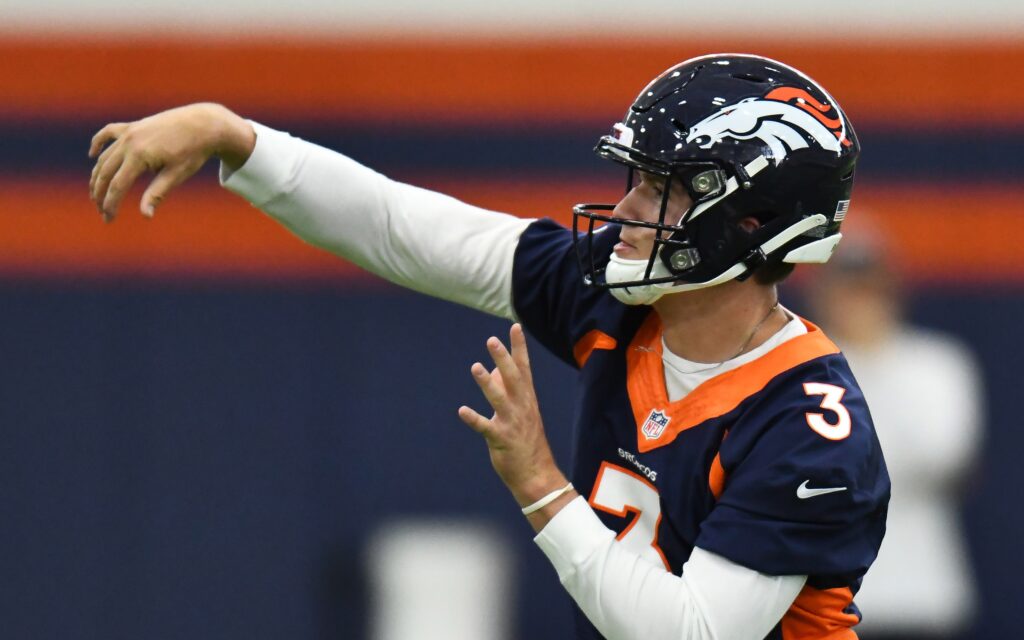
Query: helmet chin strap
[(627, 270)]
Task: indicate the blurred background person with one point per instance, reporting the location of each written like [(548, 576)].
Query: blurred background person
[(923, 389)]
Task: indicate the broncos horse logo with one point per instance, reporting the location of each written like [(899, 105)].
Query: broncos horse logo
[(783, 120)]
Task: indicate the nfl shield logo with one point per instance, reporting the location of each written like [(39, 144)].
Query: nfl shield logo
[(655, 425)]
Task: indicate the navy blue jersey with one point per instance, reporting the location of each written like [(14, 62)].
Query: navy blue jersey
[(774, 465)]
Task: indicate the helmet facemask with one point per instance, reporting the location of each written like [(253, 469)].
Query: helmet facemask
[(627, 275)]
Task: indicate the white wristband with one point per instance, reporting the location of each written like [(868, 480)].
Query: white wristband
[(546, 500)]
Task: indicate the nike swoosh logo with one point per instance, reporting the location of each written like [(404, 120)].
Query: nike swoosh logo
[(803, 492)]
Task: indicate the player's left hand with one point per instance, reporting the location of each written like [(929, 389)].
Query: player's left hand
[(515, 435)]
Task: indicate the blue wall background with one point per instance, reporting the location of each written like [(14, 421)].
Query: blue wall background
[(209, 460)]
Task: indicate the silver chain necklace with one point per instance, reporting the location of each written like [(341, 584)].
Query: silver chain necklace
[(743, 347)]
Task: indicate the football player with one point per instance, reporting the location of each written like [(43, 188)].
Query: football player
[(728, 482)]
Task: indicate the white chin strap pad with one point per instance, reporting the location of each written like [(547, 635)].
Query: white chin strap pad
[(626, 270)]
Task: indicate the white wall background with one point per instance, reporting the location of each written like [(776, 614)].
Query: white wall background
[(818, 19)]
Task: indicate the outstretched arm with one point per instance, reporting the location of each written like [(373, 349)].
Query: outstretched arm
[(622, 594), (416, 238)]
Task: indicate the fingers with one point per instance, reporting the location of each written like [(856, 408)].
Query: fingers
[(157, 191), (475, 421), (520, 355), (107, 164), (506, 365), (106, 134), (119, 166), (508, 388), (97, 169), (106, 167), (126, 175), (493, 390), (491, 384)]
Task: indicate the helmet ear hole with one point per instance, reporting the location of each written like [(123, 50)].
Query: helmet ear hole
[(750, 224)]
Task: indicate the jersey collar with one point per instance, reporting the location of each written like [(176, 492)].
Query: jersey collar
[(645, 382)]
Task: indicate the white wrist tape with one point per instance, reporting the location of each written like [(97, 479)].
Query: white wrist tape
[(546, 500)]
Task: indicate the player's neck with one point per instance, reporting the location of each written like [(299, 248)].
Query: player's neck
[(721, 322)]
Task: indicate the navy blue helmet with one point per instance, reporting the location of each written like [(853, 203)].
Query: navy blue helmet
[(746, 137)]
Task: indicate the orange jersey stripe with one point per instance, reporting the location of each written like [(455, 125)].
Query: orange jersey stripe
[(715, 397), (817, 614), (595, 339), (716, 477)]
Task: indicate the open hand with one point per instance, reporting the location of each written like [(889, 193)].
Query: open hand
[(515, 435), (172, 144)]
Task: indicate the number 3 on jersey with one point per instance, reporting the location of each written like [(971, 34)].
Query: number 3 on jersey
[(621, 492), (831, 401)]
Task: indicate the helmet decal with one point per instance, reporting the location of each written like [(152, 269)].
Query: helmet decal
[(805, 101), (783, 120)]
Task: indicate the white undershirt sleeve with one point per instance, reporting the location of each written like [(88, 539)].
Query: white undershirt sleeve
[(416, 238), (625, 596)]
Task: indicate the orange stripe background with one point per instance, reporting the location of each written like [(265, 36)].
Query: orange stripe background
[(947, 231), (909, 84), (51, 228)]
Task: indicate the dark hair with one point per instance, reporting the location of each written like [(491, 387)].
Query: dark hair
[(773, 272)]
